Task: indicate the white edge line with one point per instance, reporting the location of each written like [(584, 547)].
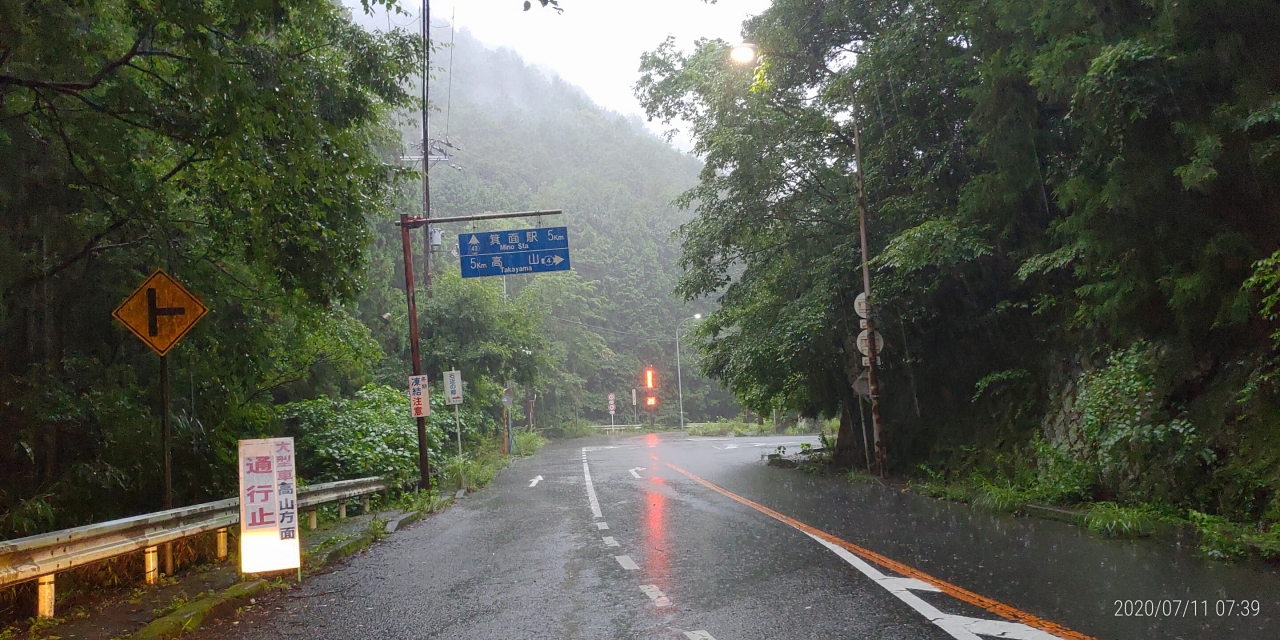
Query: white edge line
[(959, 627), (591, 491)]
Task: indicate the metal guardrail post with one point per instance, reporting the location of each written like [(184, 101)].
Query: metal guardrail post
[(342, 510), (151, 565), (44, 595), (311, 518), (222, 544), (365, 504)]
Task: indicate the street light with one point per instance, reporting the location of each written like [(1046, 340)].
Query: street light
[(743, 53), (679, 380), (746, 53)]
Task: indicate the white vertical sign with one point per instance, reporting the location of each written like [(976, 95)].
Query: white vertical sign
[(419, 397), (268, 506), (453, 387)]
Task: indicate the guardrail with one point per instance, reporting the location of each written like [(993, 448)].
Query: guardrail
[(41, 557), (617, 427)]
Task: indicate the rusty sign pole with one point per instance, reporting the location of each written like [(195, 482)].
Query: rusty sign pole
[(424, 465), (165, 437), (164, 432), (873, 380)]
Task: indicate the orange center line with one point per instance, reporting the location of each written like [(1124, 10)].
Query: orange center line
[(994, 606)]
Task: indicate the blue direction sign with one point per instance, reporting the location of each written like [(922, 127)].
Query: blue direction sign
[(499, 253)]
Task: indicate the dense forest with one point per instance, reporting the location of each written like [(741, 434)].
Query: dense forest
[(254, 151), (1073, 221)]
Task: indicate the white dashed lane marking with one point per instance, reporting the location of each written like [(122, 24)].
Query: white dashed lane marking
[(602, 525), (627, 563), (655, 594), (698, 635), (610, 542)]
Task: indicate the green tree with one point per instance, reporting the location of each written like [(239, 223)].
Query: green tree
[(235, 145)]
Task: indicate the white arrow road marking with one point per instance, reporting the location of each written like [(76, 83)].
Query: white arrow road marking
[(698, 635), (655, 594), (959, 627), (534, 481), (610, 542), (627, 563), (633, 472)]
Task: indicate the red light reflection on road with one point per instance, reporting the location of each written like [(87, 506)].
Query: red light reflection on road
[(651, 440), (656, 564)]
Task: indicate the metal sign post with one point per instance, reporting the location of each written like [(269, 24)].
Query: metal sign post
[(873, 360), (160, 312), (508, 397)]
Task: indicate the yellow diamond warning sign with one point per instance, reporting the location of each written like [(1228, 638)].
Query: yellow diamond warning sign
[(160, 312)]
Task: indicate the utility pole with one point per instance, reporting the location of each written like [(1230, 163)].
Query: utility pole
[(424, 468), (426, 146), (872, 367)]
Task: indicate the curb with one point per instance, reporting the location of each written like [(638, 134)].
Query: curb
[(340, 551), (192, 615), (1071, 516), (408, 518)]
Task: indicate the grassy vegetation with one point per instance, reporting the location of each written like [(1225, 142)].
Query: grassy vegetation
[(726, 427), (528, 442), (1114, 521), (1218, 538)]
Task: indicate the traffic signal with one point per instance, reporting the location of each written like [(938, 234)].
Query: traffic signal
[(651, 402), (650, 379)]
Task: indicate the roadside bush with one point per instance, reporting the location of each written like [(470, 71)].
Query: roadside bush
[(570, 430), (1219, 539), (528, 442), (369, 435), (1114, 521), (725, 427), (1005, 499), (1125, 434)]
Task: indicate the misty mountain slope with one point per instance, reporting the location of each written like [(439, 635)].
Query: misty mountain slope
[(522, 141)]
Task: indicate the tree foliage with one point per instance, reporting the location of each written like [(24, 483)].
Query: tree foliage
[(235, 145), (1049, 183)]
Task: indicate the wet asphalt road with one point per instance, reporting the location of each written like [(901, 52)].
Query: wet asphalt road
[(515, 561)]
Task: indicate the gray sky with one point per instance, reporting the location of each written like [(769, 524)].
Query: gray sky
[(594, 44)]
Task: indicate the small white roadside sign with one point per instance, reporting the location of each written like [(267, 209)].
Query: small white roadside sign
[(453, 387)]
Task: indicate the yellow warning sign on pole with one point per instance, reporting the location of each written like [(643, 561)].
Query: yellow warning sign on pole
[(160, 312)]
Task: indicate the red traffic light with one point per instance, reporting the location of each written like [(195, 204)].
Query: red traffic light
[(650, 379)]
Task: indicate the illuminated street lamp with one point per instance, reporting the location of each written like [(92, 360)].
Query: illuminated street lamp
[(743, 53), (679, 381), (746, 53)]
